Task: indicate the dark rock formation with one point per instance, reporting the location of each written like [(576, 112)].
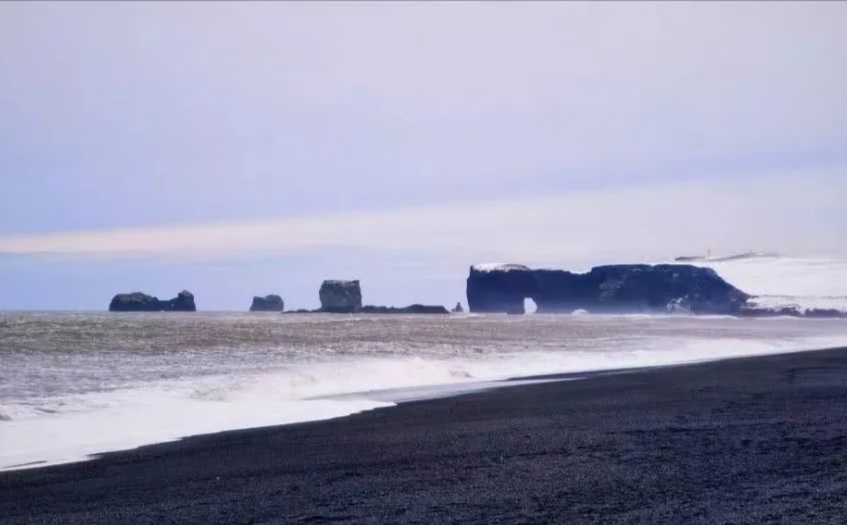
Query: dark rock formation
[(340, 296), (413, 309), (140, 302), (268, 303), (370, 309), (134, 302), (604, 289), (458, 308), (184, 302), (346, 297)]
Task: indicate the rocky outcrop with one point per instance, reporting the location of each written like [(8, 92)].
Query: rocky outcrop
[(458, 309), (625, 288), (184, 302), (346, 297), (134, 302), (340, 296), (141, 302), (370, 309), (412, 309), (268, 303)]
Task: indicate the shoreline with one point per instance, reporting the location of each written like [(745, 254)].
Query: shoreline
[(749, 439), (368, 400)]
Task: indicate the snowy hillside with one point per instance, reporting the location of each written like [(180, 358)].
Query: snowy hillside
[(784, 281)]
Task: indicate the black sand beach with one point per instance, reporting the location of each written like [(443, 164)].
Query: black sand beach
[(754, 440)]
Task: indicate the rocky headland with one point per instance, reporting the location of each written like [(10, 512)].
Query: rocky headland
[(268, 303), (604, 289), (141, 302), (619, 288)]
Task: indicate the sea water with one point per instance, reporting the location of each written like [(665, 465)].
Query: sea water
[(74, 384)]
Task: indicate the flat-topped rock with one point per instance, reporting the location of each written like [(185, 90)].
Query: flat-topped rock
[(141, 302), (268, 303), (340, 296)]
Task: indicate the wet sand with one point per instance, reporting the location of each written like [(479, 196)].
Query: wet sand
[(752, 440)]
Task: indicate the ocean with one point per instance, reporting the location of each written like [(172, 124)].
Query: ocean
[(74, 384)]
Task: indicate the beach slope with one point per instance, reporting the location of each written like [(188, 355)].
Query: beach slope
[(752, 440)]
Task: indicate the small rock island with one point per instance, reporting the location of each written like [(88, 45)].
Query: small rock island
[(340, 297), (141, 302), (346, 297), (268, 303)]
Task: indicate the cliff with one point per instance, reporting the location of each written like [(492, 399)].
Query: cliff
[(141, 302), (268, 303), (626, 288)]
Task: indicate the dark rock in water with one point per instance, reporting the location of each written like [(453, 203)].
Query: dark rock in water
[(134, 302), (340, 296), (413, 309), (346, 297), (268, 303), (370, 309), (184, 302), (458, 308), (141, 302), (628, 288)]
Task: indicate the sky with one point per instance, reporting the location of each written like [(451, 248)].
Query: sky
[(240, 149)]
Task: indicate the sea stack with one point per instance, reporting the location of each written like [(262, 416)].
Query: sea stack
[(268, 303), (184, 302), (340, 296), (141, 302)]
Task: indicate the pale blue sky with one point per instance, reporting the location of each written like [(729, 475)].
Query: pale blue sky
[(246, 148)]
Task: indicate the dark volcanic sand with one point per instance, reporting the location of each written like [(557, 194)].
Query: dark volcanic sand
[(757, 440)]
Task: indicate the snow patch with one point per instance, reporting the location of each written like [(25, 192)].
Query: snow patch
[(724, 258), (497, 267), (778, 281)]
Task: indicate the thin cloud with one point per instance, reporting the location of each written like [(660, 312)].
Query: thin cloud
[(782, 212)]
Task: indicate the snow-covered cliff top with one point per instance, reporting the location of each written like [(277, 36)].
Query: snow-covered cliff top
[(497, 267)]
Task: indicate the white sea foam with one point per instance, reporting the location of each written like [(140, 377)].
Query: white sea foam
[(96, 422)]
